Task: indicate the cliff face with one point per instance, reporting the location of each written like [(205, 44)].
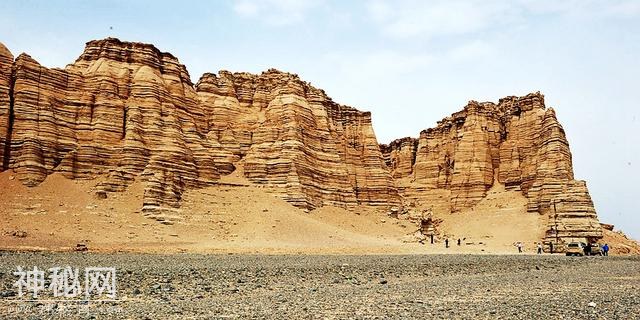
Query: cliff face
[(291, 135), (126, 110), (6, 87), (517, 142)]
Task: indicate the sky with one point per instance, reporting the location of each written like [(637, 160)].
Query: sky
[(409, 62)]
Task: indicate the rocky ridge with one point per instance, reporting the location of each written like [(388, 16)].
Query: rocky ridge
[(517, 142), (125, 111)]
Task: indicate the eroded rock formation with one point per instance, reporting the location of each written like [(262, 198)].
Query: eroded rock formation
[(6, 88), (291, 135), (517, 142), (125, 111)]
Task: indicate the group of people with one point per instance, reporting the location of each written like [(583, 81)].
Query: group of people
[(539, 247), (604, 250), (446, 242)]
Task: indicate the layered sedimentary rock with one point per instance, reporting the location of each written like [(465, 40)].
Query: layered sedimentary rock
[(399, 156), (126, 111), (6, 87), (291, 135), (122, 110), (517, 142)]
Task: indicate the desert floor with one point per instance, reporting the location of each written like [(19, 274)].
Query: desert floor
[(238, 217), (192, 286)]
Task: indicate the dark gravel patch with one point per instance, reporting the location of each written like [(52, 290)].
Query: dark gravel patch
[(188, 286)]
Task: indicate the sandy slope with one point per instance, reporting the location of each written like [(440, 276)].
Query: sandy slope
[(620, 243), (498, 222), (236, 216), (60, 213)]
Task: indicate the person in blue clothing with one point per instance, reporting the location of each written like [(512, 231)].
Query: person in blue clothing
[(605, 250)]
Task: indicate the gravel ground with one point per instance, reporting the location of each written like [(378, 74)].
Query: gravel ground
[(187, 286)]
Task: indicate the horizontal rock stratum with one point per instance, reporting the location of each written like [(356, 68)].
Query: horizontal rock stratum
[(125, 111)]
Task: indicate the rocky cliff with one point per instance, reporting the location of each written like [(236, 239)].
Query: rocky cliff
[(124, 111), (127, 111), (517, 142)]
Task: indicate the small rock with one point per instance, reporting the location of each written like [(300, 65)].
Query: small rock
[(6, 294), (592, 304), (383, 281), (19, 234)]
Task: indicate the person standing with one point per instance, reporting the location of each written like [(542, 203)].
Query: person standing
[(539, 247), (458, 241), (605, 250), (519, 246), (446, 243), (550, 247)]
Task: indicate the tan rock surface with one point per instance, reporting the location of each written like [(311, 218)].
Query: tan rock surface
[(517, 142), (6, 85), (293, 136), (126, 110)]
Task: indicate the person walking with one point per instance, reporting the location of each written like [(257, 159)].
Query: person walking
[(519, 246), (539, 247), (605, 250)]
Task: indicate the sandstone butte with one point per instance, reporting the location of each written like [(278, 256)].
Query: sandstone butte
[(125, 111)]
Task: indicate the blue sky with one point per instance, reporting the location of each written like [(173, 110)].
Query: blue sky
[(409, 62)]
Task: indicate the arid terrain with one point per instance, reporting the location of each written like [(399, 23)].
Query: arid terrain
[(257, 196), (121, 150), (237, 217), (187, 286)]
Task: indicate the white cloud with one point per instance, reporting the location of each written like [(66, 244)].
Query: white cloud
[(583, 8), (405, 19), (276, 12), (624, 9), (410, 18)]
